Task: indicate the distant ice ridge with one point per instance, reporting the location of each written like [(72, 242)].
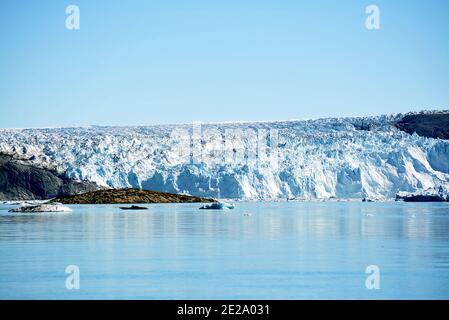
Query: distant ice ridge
[(324, 158)]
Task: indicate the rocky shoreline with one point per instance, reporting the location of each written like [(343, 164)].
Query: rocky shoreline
[(431, 195), (21, 180)]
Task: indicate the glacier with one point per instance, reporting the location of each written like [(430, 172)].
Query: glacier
[(347, 158)]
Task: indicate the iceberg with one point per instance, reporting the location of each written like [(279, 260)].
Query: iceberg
[(218, 206), (46, 207)]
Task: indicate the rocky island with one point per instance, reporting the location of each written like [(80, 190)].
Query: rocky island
[(112, 196)]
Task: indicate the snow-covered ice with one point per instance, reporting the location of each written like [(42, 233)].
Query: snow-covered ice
[(316, 159), (45, 207)]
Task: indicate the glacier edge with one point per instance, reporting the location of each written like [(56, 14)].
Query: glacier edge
[(316, 159)]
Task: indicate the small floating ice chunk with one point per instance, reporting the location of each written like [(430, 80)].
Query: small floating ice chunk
[(218, 206), (46, 207)]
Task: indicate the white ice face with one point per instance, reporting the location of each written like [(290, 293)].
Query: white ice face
[(343, 158)]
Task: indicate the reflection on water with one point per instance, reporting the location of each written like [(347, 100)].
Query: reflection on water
[(258, 250)]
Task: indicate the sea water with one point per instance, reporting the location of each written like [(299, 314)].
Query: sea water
[(259, 250)]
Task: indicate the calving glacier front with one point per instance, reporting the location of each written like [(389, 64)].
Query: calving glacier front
[(343, 158)]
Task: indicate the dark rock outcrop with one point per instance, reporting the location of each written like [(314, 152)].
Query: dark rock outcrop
[(430, 195), (134, 208), (19, 180), (109, 196), (423, 198), (434, 125)]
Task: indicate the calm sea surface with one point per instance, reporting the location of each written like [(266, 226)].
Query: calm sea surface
[(288, 250)]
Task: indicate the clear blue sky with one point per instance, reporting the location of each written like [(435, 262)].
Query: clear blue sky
[(151, 62)]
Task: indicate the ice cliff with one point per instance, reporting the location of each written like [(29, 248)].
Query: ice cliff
[(339, 157)]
